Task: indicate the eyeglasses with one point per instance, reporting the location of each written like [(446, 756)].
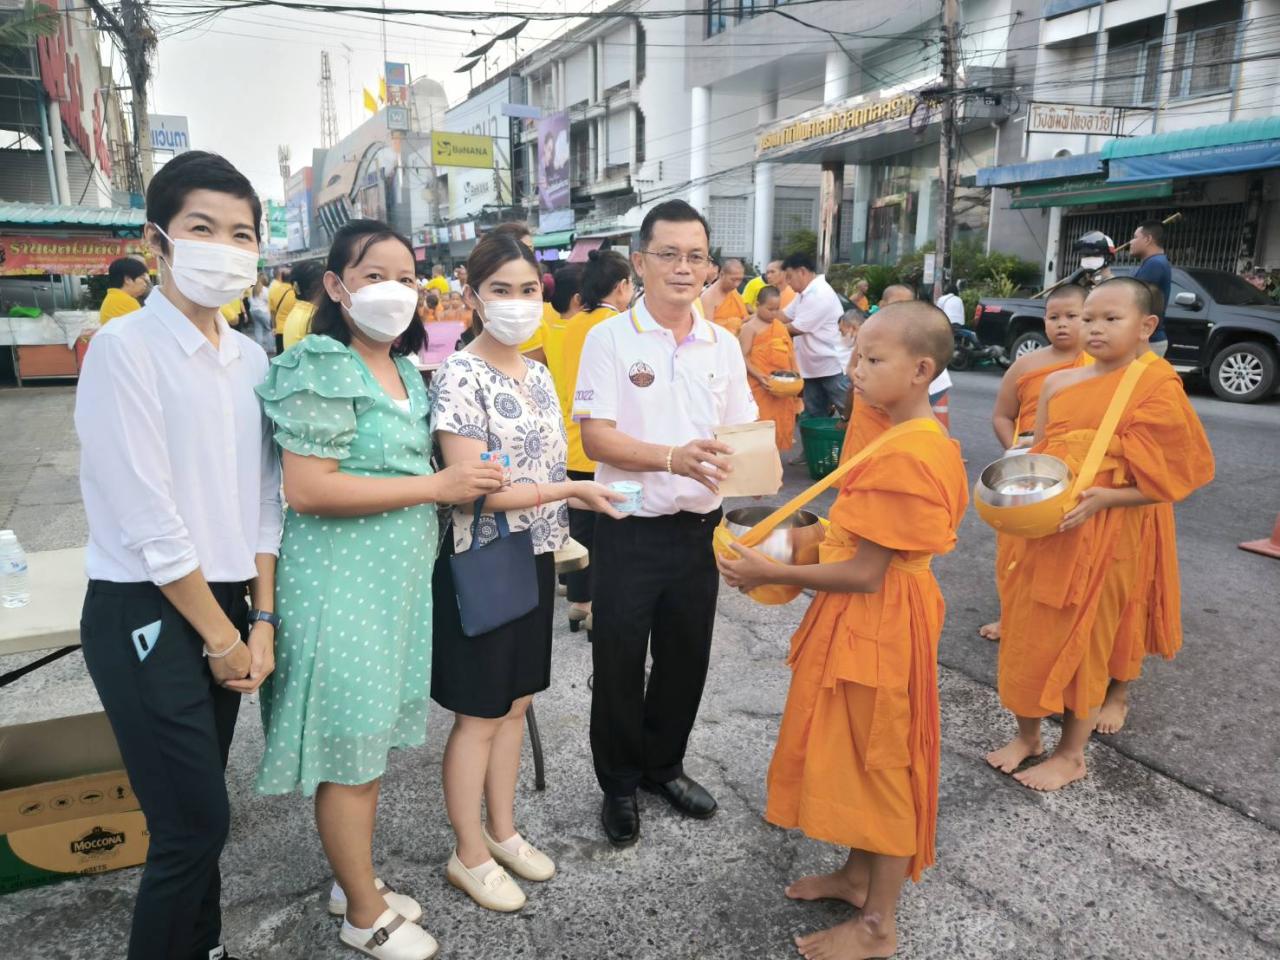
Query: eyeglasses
[(669, 258)]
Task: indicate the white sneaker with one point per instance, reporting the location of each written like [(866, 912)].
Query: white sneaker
[(527, 862), (391, 937), (407, 907), (488, 885)]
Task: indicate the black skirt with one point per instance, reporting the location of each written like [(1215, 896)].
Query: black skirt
[(482, 676)]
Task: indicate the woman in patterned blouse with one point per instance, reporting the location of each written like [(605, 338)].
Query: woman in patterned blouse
[(488, 397)]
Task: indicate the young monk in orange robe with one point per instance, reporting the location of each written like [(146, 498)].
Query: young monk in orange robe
[(1067, 592), (1014, 414), (767, 348), (856, 762)]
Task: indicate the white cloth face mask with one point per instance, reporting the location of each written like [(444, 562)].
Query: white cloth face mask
[(382, 311), (1092, 263), (210, 274), (511, 321)]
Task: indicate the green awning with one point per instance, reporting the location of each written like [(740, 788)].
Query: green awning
[(1197, 138), (1074, 193), (561, 238), (55, 215)]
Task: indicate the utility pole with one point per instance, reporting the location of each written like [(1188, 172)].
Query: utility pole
[(328, 112), (135, 38), (946, 151)]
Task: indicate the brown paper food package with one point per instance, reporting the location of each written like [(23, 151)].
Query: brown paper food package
[(757, 467)]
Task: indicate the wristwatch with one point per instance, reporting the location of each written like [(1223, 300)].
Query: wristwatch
[(265, 616)]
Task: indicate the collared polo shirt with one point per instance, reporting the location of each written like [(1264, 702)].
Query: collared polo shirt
[(815, 313), (656, 390)]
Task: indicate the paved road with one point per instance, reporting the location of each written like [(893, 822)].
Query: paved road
[(1170, 850)]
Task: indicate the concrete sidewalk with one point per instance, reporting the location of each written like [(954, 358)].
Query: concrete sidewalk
[(1139, 861)]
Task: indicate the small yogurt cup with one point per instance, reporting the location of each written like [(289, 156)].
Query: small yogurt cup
[(634, 492)]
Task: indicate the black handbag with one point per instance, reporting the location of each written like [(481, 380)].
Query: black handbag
[(495, 583)]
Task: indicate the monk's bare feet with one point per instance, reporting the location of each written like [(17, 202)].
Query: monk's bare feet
[(1015, 753), (1054, 774), (859, 939), (1115, 709), (829, 886), (990, 631)]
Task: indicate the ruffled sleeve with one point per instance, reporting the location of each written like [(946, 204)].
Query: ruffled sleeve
[(896, 500), (1165, 445), (313, 394)]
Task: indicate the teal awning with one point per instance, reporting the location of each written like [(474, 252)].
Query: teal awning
[(55, 215), (560, 238), (1080, 191), (1197, 138)]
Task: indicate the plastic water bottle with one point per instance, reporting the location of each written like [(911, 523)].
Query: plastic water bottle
[(14, 591)]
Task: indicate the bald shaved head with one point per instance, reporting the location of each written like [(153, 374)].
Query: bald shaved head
[(896, 293), (920, 327)]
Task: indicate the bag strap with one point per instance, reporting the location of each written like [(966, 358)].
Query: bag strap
[(756, 534), (1110, 419), (499, 517)]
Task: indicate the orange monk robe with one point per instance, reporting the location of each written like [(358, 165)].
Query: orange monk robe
[(856, 762), (785, 296), (772, 350), (1068, 592), (1029, 386), (865, 424), (732, 312)]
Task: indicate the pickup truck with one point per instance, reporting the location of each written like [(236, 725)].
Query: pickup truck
[(1219, 327)]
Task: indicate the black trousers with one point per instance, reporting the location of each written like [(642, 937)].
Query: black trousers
[(655, 589), (582, 526), (174, 726)]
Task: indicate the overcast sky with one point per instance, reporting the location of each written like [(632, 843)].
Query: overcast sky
[(249, 80)]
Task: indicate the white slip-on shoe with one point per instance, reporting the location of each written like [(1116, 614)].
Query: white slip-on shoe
[(528, 862), (488, 885), (407, 907), (391, 937)]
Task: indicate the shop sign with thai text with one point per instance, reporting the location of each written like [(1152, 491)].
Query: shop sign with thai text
[(832, 121), (1072, 118), (34, 256)]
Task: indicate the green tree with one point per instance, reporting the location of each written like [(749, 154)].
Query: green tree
[(21, 27)]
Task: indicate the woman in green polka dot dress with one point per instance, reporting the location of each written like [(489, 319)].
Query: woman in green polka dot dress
[(353, 587)]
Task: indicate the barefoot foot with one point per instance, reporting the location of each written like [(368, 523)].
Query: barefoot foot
[(990, 631), (857, 939), (1014, 753), (1115, 710), (1054, 774), (829, 886)]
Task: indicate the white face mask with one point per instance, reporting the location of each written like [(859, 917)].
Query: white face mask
[(1092, 263), (210, 274), (382, 311), (511, 321)]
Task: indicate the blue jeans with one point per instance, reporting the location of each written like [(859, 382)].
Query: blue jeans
[(822, 394)]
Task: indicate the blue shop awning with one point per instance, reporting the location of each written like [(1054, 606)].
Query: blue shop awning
[(1199, 152), (1058, 168)]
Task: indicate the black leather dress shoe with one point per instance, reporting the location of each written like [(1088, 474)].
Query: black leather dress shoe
[(621, 819), (685, 794)]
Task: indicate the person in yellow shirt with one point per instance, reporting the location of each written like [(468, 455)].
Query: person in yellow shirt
[(438, 282), (127, 284), (773, 277), (235, 312), (307, 279), (281, 299), (605, 289)]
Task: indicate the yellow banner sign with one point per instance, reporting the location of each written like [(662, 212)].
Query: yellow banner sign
[(461, 150), (840, 120)]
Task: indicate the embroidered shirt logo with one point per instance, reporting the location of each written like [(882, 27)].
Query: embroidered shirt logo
[(641, 374)]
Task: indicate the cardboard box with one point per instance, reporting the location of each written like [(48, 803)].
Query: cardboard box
[(66, 806), (46, 361)]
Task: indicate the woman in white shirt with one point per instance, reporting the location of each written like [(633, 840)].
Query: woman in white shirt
[(181, 490), (488, 398)]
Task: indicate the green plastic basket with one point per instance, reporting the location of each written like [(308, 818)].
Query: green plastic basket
[(822, 439)]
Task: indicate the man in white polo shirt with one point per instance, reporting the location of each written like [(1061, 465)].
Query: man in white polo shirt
[(813, 320), (653, 385)]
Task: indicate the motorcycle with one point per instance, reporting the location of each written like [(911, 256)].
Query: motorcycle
[(970, 352)]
